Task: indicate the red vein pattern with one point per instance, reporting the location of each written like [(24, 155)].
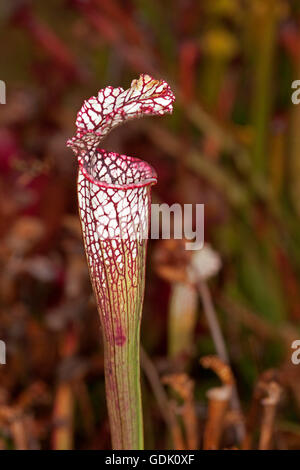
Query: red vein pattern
[(115, 220), (114, 203), (112, 106)]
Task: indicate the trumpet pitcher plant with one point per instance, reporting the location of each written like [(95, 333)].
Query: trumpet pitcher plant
[(114, 196)]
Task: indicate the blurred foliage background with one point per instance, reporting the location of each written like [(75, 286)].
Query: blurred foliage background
[(232, 143)]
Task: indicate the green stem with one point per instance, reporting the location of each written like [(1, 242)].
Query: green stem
[(120, 316), (122, 381)]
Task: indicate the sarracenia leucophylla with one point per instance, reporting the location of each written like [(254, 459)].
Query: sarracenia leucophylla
[(114, 195)]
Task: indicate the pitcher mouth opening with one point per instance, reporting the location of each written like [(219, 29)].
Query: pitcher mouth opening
[(111, 170)]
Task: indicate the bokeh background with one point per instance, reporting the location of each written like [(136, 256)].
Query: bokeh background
[(232, 143)]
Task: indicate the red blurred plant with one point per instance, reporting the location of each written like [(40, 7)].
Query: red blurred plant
[(48, 41), (114, 203)]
